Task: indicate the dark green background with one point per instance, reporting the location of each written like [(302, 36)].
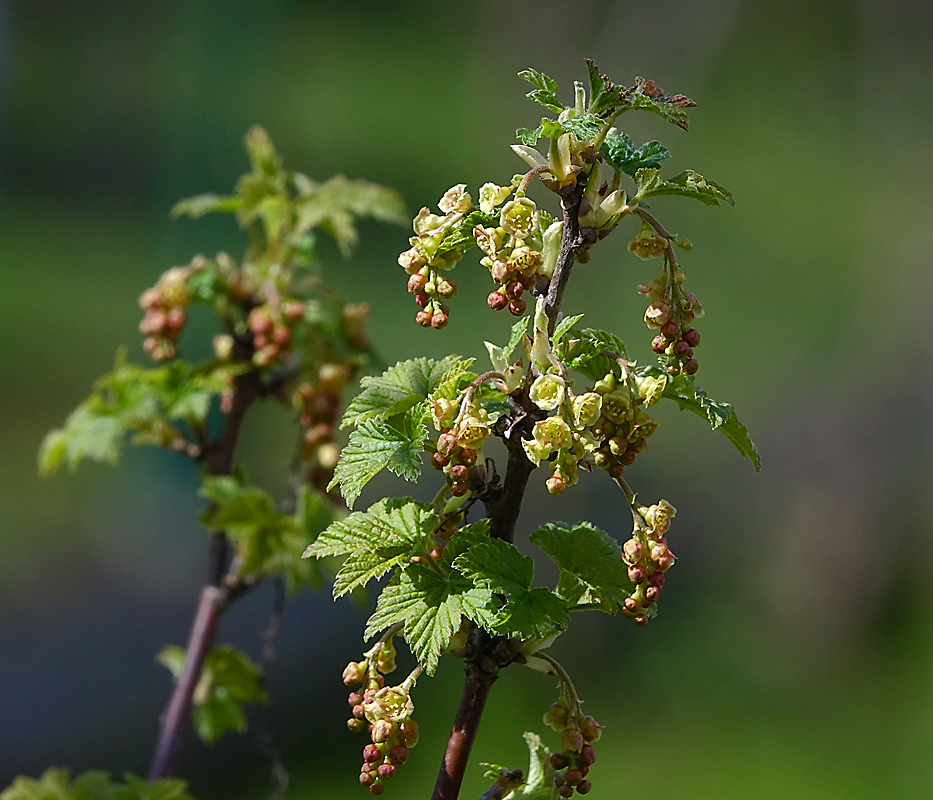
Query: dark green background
[(792, 656)]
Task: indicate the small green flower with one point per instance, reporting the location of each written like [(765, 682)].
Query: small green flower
[(548, 392), (489, 240), (472, 432), (426, 222), (552, 433), (586, 409), (519, 217), (490, 196)]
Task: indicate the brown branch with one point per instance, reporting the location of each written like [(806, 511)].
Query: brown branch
[(503, 507), (214, 596)]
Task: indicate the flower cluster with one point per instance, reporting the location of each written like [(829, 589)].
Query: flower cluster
[(648, 558), (318, 404), (518, 252), (165, 305), (427, 257), (606, 425), (271, 327), (670, 312), (577, 734), (385, 711), (462, 435)]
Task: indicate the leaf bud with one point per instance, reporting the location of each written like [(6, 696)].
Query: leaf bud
[(552, 239), (529, 155)]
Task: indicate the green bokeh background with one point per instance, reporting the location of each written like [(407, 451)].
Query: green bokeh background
[(792, 656)]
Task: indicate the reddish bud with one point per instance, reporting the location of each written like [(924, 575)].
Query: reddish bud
[(367, 778), (447, 289), (517, 307), (659, 344), (497, 301), (377, 788), (458, 473), (423, 318), (398, 755), (459, 489), (371, 754), (583, 787), (416, 283), (587, 756), (559, 760), (467, 456), (385, 771), (439, 321), (355, 725), (571, 740), (439, 461), (514, 290), (680, 348), (641, 620), (573, 777), (636, 575), (670, 330), (692, 337), (175, 318), (657, 579), (691, 366)]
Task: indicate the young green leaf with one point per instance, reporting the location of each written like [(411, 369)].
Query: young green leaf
[(687, 184), (461, 237), (202, 204), (431, 606), (665, 109), (590, 562), (583, 351), (376, 540), (621, 153), (721, 416), (229, 680), (562, 327), (56, 784), (400, 387), (395, 444)]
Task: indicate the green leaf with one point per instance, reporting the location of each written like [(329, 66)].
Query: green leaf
[(538, 79), (377, 444), (665, 109), (721, 416), (431, 606), (619, 151), (202, 204), (89, 433), (461, 237), (503, 355), (56, 784), (583, 351), (267, 541), (398, 389), (539, 780), (376, 540), (528, 136), (336, 204), (563, 326), (536, 614), (546, 93), (606, 98), (229, 679), (590, 561), (453, 381), (687, 184), (584, 127)]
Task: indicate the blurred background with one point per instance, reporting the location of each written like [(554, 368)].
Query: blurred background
[(793, 654)]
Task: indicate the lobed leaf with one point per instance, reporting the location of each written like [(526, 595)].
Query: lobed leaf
[(721, 416), (590, 561), (687, 184), (619, 150), (395, 444), (398, 389), (582, 351)]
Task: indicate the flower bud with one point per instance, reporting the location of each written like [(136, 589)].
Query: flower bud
[(587, 756), (385, 771), (591, 730), (372, 754), (408, 730), (398, 755), (691, 365), (584, 786), (636, 575), (354, 673), (559, 761), (555, 484), (571, 740), (529, 155), (491, 196), (497, 301), (517, 307), (383, 730)]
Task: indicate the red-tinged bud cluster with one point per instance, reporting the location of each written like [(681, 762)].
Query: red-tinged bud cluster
[(384, 711), (430, 290), (513, 263), (670, 313), (573, 762), (166, 306), (623, 427), (648, 557), (318, 404), (271, 326), (454, 458)]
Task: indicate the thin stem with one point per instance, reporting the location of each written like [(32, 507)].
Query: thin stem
[(561, 674), (659, 228), (214, 596), (528, 177), (210, 606)]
